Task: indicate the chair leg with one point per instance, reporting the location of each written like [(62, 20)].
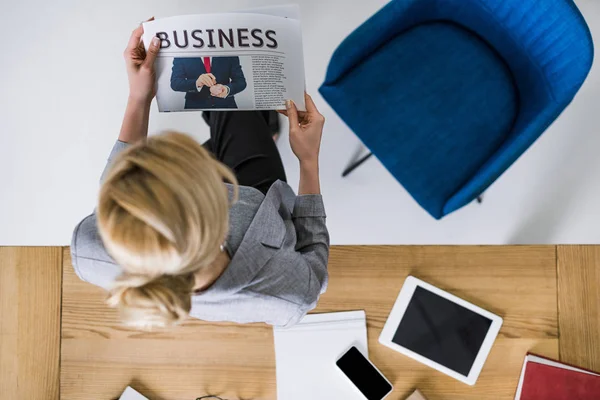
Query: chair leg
[(355, 165), (480, 198)]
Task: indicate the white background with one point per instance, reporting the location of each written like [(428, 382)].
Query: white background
[(172, 100), (64, 89)]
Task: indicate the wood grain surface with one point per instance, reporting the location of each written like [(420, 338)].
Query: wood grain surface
[(579, 305), (100, 357), (30, 290), (515, 282)]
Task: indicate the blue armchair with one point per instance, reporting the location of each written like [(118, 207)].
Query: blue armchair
[(449, 93)]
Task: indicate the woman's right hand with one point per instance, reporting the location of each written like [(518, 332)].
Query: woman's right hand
[(306, 129), (142, 85), (140, 66)]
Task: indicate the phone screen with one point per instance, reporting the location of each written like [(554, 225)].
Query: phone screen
[(364, 375)]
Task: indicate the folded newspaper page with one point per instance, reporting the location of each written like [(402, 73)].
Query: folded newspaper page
[(249, 60)]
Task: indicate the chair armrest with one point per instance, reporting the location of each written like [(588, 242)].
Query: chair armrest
[(526, 132), (552, 35)]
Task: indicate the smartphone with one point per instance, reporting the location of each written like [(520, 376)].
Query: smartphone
[(364, 375)]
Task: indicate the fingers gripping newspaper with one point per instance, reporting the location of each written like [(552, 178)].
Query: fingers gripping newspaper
[(250, 60)]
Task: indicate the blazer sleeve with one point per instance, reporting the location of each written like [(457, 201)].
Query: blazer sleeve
[(90, 260), (312, 237), (117, 148), (180, 82), (238, 80)]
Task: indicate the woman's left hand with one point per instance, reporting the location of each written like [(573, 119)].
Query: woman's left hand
[(140, 66)]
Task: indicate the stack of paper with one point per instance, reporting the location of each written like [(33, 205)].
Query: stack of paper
[(306, 355)]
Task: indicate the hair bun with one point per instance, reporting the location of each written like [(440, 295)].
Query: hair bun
[(147, 302)]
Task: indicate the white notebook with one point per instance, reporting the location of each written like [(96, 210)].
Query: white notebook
[(306, 356)]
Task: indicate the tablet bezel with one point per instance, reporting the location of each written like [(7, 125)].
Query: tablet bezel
[(397, 313)]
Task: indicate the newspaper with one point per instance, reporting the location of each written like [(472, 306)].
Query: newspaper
[(248, 60)]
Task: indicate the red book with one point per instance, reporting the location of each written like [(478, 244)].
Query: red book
[(545, 379)]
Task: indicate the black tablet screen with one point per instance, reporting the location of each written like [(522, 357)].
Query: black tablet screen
[(442, 331)]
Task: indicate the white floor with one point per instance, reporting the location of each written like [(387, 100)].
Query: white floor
[(63, 91)]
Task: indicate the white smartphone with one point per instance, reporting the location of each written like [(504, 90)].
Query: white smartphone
[(364, 375)]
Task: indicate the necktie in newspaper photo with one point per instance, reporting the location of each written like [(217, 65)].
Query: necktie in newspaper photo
[(207, 64)]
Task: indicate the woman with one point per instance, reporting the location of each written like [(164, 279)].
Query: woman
[(168, 238)]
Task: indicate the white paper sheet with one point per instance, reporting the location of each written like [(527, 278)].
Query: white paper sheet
[(286, 11), (131, 394), (306, 356)]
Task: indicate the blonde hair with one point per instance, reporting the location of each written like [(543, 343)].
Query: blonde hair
[(163, 213)]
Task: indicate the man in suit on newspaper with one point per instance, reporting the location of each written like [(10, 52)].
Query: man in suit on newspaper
[(209, 82)]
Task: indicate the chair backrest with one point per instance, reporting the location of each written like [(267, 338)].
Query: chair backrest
[(546, 44)]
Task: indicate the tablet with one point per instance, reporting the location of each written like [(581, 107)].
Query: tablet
[(440, 330)]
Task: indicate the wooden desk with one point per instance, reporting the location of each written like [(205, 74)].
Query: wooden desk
[(527, 285), (30, 287)]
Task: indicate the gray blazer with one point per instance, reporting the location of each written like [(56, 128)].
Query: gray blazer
[(276, 276)]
